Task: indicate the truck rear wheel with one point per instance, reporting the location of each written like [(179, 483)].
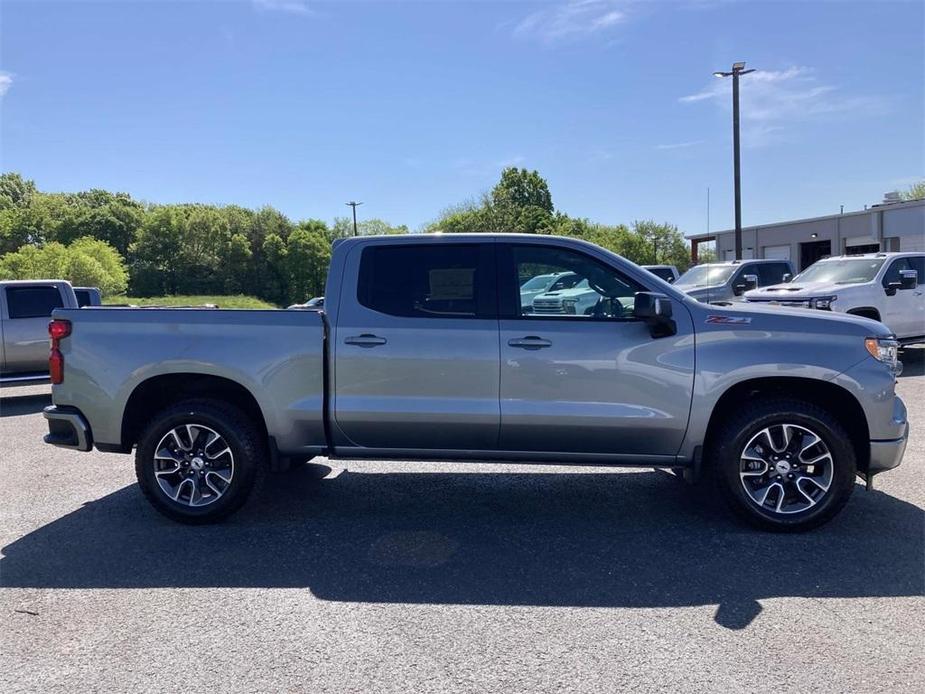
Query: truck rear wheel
[(783, 465), (198, 461)]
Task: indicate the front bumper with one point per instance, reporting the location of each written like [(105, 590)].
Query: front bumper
[(886, 455), (67, 428)]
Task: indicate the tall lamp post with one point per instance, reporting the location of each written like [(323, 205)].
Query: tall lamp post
[(354, 206), (737, 69)]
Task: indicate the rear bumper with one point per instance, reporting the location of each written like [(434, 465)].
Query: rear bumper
[(67, 428), (886, 455)]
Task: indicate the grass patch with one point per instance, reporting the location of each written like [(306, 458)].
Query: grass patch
[(229, 301)]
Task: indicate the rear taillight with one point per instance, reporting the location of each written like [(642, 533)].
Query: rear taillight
[(57, 330)]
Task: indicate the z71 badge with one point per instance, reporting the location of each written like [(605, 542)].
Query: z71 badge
[(728, 320)]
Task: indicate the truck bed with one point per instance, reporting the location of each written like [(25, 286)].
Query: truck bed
[(276, 355)]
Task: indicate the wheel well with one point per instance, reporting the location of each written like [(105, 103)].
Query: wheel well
[(830, 397), (866, 312), (153, 395)]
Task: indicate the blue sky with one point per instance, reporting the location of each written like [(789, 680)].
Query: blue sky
[(414, 106)]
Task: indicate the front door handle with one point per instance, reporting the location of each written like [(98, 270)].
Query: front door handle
[(365, 340), (529, 342)]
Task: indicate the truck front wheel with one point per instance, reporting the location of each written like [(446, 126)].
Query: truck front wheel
[(198, 461), (783, 464)]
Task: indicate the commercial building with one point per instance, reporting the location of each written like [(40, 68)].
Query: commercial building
[(892, 225)]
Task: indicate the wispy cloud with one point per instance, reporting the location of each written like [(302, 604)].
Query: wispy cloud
[(773, 99), (482, 168), (571, 19), (6, 81), (680, 145), (288, 6)]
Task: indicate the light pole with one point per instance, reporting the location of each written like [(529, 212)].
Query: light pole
[(737, 69), (354, 206)]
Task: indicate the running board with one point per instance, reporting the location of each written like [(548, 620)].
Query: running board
[(33, 379)]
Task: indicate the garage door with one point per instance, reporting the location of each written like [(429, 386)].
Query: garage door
[(777, 252), (731, 254)]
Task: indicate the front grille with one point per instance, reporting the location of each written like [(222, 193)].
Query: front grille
[(779, 302), (547, 306)]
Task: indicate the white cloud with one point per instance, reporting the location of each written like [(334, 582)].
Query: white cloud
[(571, 19), (6, 81), (288, 6), (680, 145), (773, 99), (468, 166)]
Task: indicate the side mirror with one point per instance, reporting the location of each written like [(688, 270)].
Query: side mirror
[(655, 310), (908, 279), (786, 278), (748, 283)]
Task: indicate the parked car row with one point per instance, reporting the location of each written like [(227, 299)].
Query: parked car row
[(444, 347), (886, 287)]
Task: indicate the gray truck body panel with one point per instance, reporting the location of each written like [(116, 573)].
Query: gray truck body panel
[(604, 392)]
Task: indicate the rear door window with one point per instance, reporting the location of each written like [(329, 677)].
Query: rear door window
[(83, 297), (428, 280), (32, 302)]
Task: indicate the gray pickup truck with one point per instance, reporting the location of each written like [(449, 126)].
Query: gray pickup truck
[(25, 308), (424, 351)]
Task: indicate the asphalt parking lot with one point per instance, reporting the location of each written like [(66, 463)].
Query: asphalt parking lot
[(415, 577)]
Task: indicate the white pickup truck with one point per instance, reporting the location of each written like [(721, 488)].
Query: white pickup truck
[(887, 287)]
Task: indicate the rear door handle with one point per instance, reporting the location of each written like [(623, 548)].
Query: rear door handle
[(365, 340), (529, 342)]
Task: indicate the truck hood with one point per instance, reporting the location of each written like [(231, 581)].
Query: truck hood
[(792, 291), (566, 293), (704, 293), (758, 317)]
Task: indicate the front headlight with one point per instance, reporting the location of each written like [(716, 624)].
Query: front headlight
[(568, 305), (883, 349), (823, 302)]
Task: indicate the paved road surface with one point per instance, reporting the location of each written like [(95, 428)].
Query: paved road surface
[(416, 577)]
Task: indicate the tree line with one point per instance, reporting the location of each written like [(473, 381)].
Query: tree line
[(110, 240)]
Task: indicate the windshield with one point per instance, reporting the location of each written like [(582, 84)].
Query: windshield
[(538, 282), (706, 275), (842, 271), (663, 272)]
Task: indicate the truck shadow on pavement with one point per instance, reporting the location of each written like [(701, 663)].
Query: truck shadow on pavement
[(18, 405), (913, 359), (633, 539)]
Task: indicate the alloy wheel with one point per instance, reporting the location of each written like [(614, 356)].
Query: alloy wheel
[(193, 465), (786, 468)]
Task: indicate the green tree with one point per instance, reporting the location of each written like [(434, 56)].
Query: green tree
[(307, 257), (87, 262), (915, 192), (235, 263), (15, 191), (275, 281), (520, 202), (156, 252), (114, 277), (343, 228), (661, 244), (522, 189)]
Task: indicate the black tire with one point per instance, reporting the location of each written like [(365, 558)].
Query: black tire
[(248, 459), (727, 451)]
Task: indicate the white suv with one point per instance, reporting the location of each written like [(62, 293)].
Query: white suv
[(888, 287)]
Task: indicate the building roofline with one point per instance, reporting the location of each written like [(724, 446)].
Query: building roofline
[(756, 227)]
